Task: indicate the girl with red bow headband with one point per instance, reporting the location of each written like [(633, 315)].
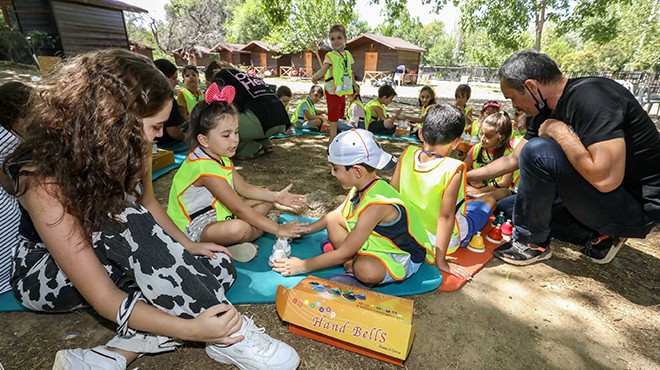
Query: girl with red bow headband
[(209, 200)]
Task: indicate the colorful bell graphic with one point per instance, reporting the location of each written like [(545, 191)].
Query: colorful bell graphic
[(507, 228), (495, 235), (477, 244)]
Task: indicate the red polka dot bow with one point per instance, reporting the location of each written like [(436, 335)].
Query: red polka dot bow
[(213, 93)]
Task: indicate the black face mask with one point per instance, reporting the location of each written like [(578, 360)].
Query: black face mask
[(542, 105)]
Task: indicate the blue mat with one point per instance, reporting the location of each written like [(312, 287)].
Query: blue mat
[(413, 137), (257, 283)]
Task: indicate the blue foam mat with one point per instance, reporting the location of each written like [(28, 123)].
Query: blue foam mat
[(178, 160), (413, 137), (257, 283)]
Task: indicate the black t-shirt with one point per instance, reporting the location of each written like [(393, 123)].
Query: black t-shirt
[(253, 94), (175, 119), (600, 109)]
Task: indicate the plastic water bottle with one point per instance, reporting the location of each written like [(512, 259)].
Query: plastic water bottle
[(281, 249)]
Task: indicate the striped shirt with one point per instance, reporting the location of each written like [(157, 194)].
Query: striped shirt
[(10, 215)]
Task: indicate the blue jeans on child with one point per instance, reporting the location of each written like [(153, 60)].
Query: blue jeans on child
[(552, 195)]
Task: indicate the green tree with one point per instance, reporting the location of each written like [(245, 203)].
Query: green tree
[(299, 25), (247, 23)]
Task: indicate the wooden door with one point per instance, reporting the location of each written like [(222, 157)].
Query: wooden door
[(308, 61), (262, 60), (370, 61)]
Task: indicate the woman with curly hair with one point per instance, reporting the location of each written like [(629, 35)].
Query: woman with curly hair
[(93, 233)]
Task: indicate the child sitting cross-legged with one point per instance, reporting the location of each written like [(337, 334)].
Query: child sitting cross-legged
[(373, 233), (209, 200), (379, 121), (306, 115), (434, 185)]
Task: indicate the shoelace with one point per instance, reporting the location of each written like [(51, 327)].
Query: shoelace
[(519, 247), (257, 336)]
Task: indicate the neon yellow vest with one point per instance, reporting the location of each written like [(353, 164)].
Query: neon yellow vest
[(424, 190), (425, 110), (296, 113), (373, 115), (191, 99), (367, 115), (474, 130), (341, 66), (477, 148), (379, 246), (192, 170)]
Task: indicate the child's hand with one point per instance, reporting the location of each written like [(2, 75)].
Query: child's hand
[(292, 229), (295, 201), (454, 269), (208, 249), (289, 266), (398, 114)]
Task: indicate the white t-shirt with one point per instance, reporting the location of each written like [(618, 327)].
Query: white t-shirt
[(11, 215)]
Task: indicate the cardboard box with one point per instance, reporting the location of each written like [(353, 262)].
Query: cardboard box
[(325, 127), (162, 159), (402, 132), (359, 320)]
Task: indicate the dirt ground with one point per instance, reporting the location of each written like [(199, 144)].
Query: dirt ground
[(564, 313)]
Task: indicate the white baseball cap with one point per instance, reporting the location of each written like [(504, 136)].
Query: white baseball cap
[(359, 146)]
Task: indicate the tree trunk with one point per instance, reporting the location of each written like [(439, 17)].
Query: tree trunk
[(539, 22), (456, 52)]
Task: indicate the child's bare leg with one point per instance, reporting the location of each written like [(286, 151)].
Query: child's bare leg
[(230, 232), (490, 201), (388, 123), (337, 232), (368, 270), (498, 194), (333, 130)]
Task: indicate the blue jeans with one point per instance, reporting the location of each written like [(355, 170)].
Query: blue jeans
[(553, 195)]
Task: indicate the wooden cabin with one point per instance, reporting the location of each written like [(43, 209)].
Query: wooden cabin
[(262, 55), (304, 63), (147, 51), (375, 54), (74, 26), (198, 56), (232, 53)]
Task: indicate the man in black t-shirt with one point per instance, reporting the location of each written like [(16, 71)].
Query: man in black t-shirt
[(589, 163)]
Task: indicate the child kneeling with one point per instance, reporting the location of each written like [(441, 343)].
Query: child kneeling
[(372, 233)]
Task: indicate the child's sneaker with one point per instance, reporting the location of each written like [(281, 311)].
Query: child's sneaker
[(257, 351), (97, 358), (603, 249), (521, 254)]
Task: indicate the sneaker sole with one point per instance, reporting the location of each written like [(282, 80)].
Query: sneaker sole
[(226, 360), (610, 254), (243, 252), (526, 262)]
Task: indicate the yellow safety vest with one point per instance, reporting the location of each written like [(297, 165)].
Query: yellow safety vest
[(190, 171), (424, 190), (371, 112), (191, 99), (296, 113), (477, 148), (367, 115), (341, 66), (379, 246)]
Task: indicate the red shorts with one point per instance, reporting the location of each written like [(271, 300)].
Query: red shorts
[(336, 106)]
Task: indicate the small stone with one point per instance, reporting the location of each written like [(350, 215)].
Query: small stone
[(71, 334)]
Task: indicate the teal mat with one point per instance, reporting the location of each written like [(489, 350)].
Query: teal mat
[(257, 283), (413, 137)]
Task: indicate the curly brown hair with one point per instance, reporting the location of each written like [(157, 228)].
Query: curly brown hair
[(85, 132)]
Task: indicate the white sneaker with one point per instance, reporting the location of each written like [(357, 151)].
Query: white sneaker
[(97, 358), (258, 351)]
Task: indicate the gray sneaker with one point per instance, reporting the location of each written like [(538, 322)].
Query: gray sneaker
[(603, 249), (258, 351), (97, 358)]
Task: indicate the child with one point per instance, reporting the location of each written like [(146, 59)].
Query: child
[(379, 122), (356, 114), (173, 136), (284, 94), (494, 135), (14, 97), (462, 95), (490, 107), (519, 131), (209, 200), (306, 115), (434, 184), (363, 230), (338, 74), (425, 101), (190, 95)]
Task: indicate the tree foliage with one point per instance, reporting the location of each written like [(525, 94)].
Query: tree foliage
[(247, 23)]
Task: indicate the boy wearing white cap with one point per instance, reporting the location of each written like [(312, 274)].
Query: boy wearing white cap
[(372, 233)]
